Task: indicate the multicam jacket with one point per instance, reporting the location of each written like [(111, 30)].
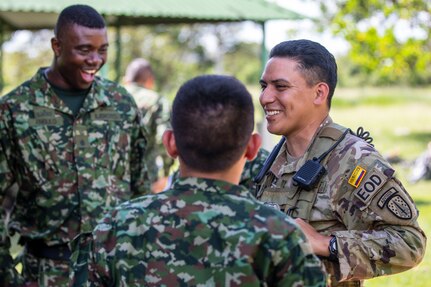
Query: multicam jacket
[(68, 171), (202, 232), (155, 113), (358, 200)]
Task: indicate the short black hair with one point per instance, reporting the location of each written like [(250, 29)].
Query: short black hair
[(315, 61), (82, 15), (212, 120)]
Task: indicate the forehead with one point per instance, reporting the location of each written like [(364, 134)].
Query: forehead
[(281, 67), (77, 34)]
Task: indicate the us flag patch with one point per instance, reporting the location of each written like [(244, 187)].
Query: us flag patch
[(357, 176)]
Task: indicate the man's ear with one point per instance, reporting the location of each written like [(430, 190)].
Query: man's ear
[(253, 146), (168, 140), (55, 46), (322, 92)]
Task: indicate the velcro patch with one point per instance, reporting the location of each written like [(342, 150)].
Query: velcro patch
[(106, 114), (374, 181), (45, 117), (386, 196), (357, 176), (399, 207)]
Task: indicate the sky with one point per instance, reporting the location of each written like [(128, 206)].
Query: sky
[(278, 30)]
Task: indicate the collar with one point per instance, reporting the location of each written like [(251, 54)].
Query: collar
[(43, 94), (199, 185)]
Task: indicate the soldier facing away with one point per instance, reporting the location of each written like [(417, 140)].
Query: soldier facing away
[(72, 146), (206, 230), (355, 212)]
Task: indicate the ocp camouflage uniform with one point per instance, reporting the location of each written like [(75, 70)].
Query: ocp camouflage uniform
[(358, 200), (155, 111), (69, 171), (202, 232)]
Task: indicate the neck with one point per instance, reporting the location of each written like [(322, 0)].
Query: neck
[(231, 175), (298, 143)]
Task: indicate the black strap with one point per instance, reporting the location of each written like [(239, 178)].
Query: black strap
[(322, 156), (269, 160)]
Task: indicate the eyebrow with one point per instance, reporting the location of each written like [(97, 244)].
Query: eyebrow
[(276, 81)]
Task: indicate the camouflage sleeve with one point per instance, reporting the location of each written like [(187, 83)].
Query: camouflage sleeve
[(140, 182), (90, 259), (294, 263), (252, 168), (383, 236), (8, 273)]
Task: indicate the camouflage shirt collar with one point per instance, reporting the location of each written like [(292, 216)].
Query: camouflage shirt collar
[(283, 163), (44, 95), (208, 185)]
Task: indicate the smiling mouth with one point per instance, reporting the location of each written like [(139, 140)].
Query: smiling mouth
[(272, 113), (90, 72)]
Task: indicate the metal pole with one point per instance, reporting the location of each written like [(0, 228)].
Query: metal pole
[(117, 51), (1, 56), (267, 139), (263, 51)]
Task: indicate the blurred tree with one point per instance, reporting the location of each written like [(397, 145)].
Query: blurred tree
[(389, 39)]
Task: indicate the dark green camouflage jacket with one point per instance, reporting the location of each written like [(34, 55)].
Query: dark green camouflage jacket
[(68, 171), (202, 232)]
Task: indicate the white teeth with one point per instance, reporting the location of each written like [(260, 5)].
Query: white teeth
[(90, 71), (272, 113)]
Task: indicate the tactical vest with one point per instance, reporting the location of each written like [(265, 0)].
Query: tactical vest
[(283, 191)]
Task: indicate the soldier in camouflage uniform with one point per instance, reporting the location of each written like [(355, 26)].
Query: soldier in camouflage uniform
[(207, 230), (139, 81), (355, 212), (72, 145)]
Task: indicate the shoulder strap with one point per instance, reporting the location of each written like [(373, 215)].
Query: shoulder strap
[(269, 160)]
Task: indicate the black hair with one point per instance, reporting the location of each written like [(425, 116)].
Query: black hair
[(315, 61), (212, 120), (82, 15)]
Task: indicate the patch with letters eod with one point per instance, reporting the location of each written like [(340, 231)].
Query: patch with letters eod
[(395, 203), (370, 185), (357, 175)]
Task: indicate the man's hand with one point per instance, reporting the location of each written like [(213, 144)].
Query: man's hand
[(319, 243)]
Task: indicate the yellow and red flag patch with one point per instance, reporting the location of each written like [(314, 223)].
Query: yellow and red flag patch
[(357, 176)]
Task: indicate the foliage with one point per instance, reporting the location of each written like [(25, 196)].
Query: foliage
[(389, 39), (177, 53)]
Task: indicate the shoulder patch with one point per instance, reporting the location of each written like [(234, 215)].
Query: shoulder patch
[(399, 207), (386, 196), (371, 184), (357, 176)]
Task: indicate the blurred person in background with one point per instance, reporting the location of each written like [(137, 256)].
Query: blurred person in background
[(139, 80)]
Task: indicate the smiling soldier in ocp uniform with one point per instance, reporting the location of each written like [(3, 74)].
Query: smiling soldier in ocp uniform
[(357, 215)]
